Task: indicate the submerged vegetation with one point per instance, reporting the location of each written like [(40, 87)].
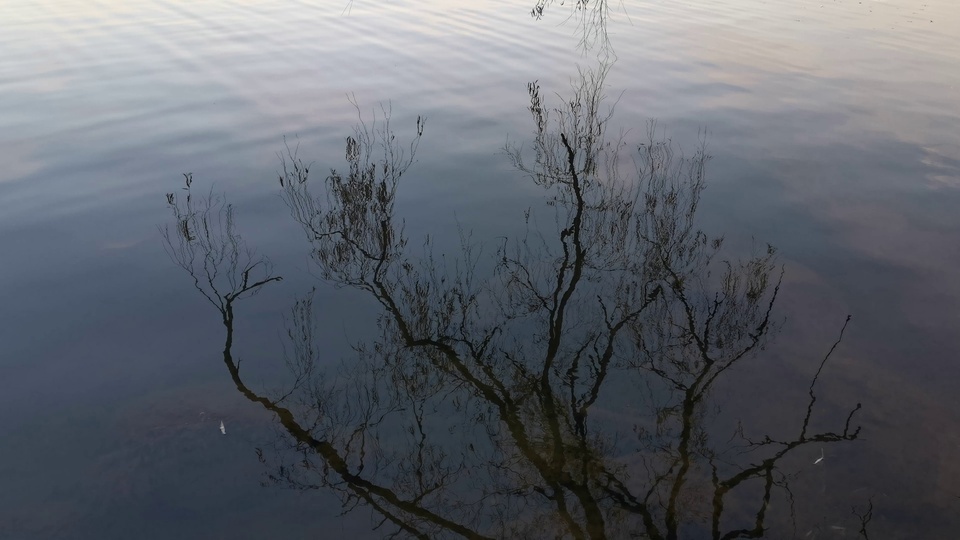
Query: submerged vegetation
[(560, 385)]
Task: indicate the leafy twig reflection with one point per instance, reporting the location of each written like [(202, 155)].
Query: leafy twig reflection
[(591, 18), (205, 243)]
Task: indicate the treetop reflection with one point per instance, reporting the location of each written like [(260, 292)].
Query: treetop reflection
[(591, 17), (563, 392)]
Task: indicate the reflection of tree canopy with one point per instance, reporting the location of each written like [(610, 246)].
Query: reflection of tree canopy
[(563, 392)]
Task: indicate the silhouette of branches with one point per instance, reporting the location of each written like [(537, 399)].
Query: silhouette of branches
[(566, 393), (204, 242)]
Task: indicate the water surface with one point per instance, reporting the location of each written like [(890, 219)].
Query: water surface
[(832, 128)]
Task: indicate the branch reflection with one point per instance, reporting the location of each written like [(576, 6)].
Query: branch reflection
[(591, 18), (560, 389)]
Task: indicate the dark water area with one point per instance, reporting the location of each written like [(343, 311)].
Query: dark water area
[(534, 330)]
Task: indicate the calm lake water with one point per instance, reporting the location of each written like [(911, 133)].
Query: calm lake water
[(832, 131)]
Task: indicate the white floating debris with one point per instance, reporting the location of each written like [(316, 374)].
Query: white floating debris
[(224, 431), (819, 459)]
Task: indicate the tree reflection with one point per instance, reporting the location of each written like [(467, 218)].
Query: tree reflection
[(561, 387)]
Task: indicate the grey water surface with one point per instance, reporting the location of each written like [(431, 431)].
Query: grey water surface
[(832, 131)]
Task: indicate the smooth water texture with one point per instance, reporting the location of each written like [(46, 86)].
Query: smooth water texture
[(832, 131)]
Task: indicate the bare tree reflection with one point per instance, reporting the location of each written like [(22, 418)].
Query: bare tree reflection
[(565, 394)]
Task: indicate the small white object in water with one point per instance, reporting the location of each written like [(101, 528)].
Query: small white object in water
[(819, 459), (224, 431)]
